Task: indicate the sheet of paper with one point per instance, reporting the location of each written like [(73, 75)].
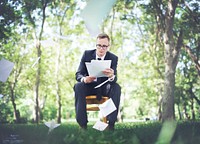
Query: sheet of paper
[(52, 124), (35, 62), (1, 95), (95, 67), (102, 83), (101, 126), (107, 107), (109, 79), (5, 69), (94, 13), (89, 68)]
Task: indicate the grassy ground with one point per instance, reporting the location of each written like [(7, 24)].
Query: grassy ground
[(125, 133)]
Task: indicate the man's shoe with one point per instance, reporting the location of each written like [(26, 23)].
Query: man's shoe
[(111, 127)]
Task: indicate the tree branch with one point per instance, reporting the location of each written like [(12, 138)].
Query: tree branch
[(179, 44), (192, 13), (193, 57), (161, 17)]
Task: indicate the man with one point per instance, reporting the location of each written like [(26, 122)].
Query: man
[(85, 85)]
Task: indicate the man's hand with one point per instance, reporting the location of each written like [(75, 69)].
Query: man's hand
[(89, 79), (108, 72)]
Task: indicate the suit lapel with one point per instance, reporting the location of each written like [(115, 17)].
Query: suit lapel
[(94, 55), (107, 56)]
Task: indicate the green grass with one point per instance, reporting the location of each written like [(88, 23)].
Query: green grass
[(187, 132)]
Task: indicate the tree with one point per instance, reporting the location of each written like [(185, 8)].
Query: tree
[(9, 16), (173, 34), (29, 8), (172, 50), (61, 14)]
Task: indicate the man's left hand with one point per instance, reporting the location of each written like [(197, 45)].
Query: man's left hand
[(108, 72)]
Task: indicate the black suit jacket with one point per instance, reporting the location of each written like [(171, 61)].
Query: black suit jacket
[(91, 55)]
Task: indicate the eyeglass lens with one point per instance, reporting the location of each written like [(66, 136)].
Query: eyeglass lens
[(101, 46)]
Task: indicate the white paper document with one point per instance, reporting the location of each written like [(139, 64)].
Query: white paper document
[(107, 107), (5, 69), (101, 126), (109, 79), (94, 13), (102, 83), (1, 95), (52, 124), (95, 67), (35, 62)]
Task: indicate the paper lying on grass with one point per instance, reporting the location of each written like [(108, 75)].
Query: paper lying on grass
[(107, 107), (101, 126), (95, 67), (94, 13), (5, 69), (52, 125)]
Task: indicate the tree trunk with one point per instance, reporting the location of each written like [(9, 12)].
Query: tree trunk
[(160, 108), (179, 112), (58, 95), (12, 93), (171, 58), (192, 109), (16, 112), (37, 84), (185, 112), (38, 73), (168, 98)]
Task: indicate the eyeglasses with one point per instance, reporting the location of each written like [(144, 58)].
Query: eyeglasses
[(102, 46)]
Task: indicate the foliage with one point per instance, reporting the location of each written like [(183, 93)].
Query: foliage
[(10, 17)]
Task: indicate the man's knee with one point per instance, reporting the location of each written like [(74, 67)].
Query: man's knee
[(79, 86), (117, 88)]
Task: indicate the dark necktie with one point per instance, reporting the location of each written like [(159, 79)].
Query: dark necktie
[(99, 93)]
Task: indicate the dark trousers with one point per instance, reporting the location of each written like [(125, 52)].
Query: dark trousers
[(112, 90)]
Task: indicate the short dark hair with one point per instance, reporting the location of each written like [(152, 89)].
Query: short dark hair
[(102, 36)]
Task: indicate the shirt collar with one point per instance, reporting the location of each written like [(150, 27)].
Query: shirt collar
[(102, 58)]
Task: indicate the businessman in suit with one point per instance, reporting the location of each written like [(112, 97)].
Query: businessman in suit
[(85, 83)]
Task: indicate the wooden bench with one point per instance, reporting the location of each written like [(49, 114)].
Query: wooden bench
[(92, 104)]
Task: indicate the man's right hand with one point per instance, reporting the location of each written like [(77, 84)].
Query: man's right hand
[(89, 79)]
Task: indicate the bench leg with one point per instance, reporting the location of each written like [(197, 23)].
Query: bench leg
[(105, 119)]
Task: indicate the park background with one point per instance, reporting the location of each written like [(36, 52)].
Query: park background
[(157, 43)]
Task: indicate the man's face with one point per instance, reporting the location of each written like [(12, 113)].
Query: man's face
[(102, 46)]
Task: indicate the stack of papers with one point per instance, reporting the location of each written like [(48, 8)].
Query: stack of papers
[(95, 67), (5, 69)]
